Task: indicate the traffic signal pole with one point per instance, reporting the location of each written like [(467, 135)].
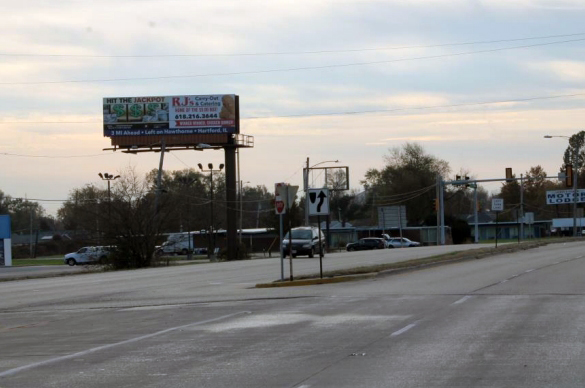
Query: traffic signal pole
[(475, 214), (461, 182)]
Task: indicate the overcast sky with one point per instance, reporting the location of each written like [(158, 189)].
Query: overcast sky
[(476, 83)]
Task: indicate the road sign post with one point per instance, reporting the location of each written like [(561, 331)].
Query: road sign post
[(497, 206), (319, 206), (280, 209)]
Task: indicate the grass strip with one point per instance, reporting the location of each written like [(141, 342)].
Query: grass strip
[(427, 261)]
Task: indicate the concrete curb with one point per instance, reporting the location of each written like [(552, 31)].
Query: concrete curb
[(310, 282), (473, 254)]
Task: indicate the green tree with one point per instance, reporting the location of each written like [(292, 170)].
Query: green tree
[(409, 179), (82, 209)]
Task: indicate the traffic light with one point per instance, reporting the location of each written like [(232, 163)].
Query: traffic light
[(436, 205), (569, 175), (467, 184), (509, 177)]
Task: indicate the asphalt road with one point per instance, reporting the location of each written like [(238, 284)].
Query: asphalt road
[(514, 320)]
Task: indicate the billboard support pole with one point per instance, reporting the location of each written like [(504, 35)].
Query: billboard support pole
[(159, 177), (231, 201)]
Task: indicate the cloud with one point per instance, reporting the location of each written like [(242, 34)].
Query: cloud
[(564, 70), (542, 4)]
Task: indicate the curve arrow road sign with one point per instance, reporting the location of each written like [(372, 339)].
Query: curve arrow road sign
[(318, 202)]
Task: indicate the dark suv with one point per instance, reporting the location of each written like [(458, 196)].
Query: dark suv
[(305, 241), (366, 243)]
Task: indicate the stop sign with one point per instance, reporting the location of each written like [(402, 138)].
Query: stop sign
[(279, 207)]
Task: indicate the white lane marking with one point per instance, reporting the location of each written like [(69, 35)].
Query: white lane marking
[(104, 347), (529, 270), (403, 330), (462, 299)]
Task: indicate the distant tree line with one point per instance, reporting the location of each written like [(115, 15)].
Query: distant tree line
[(128, 217)]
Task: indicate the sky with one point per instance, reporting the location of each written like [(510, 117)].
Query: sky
[(477, 83)]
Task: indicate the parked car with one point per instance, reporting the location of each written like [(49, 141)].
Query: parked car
[(305, 241), (88, 255), (399, 242), (366, 243)]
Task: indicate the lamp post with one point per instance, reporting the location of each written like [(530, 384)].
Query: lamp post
[(575, 174), (210, 170), (108, 177), (306, 172)]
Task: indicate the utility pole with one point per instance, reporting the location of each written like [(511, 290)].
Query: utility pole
[(438, 186), (31, 229), (521, 215), (575, 175), (442, 208), (306, 187), (475, 218)]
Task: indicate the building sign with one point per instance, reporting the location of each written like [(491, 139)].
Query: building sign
[(170, 115), (559, 197)]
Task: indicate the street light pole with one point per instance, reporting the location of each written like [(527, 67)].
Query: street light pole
[(109, 177), (575, 174), (210, 170)]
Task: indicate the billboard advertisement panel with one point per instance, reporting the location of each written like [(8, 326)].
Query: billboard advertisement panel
[(170, 115)]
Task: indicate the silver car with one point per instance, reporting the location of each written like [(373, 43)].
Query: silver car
[(400, 242)]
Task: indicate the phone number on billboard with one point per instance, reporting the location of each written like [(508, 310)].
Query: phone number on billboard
[(197, 116)]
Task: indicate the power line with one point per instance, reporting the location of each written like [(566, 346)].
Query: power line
[(288, 52), (399, 201), (294, 68), (301, 115), (398, 196), (421, 107), (52, 157)]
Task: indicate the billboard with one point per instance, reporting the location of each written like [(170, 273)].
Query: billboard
[(171, 115)]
